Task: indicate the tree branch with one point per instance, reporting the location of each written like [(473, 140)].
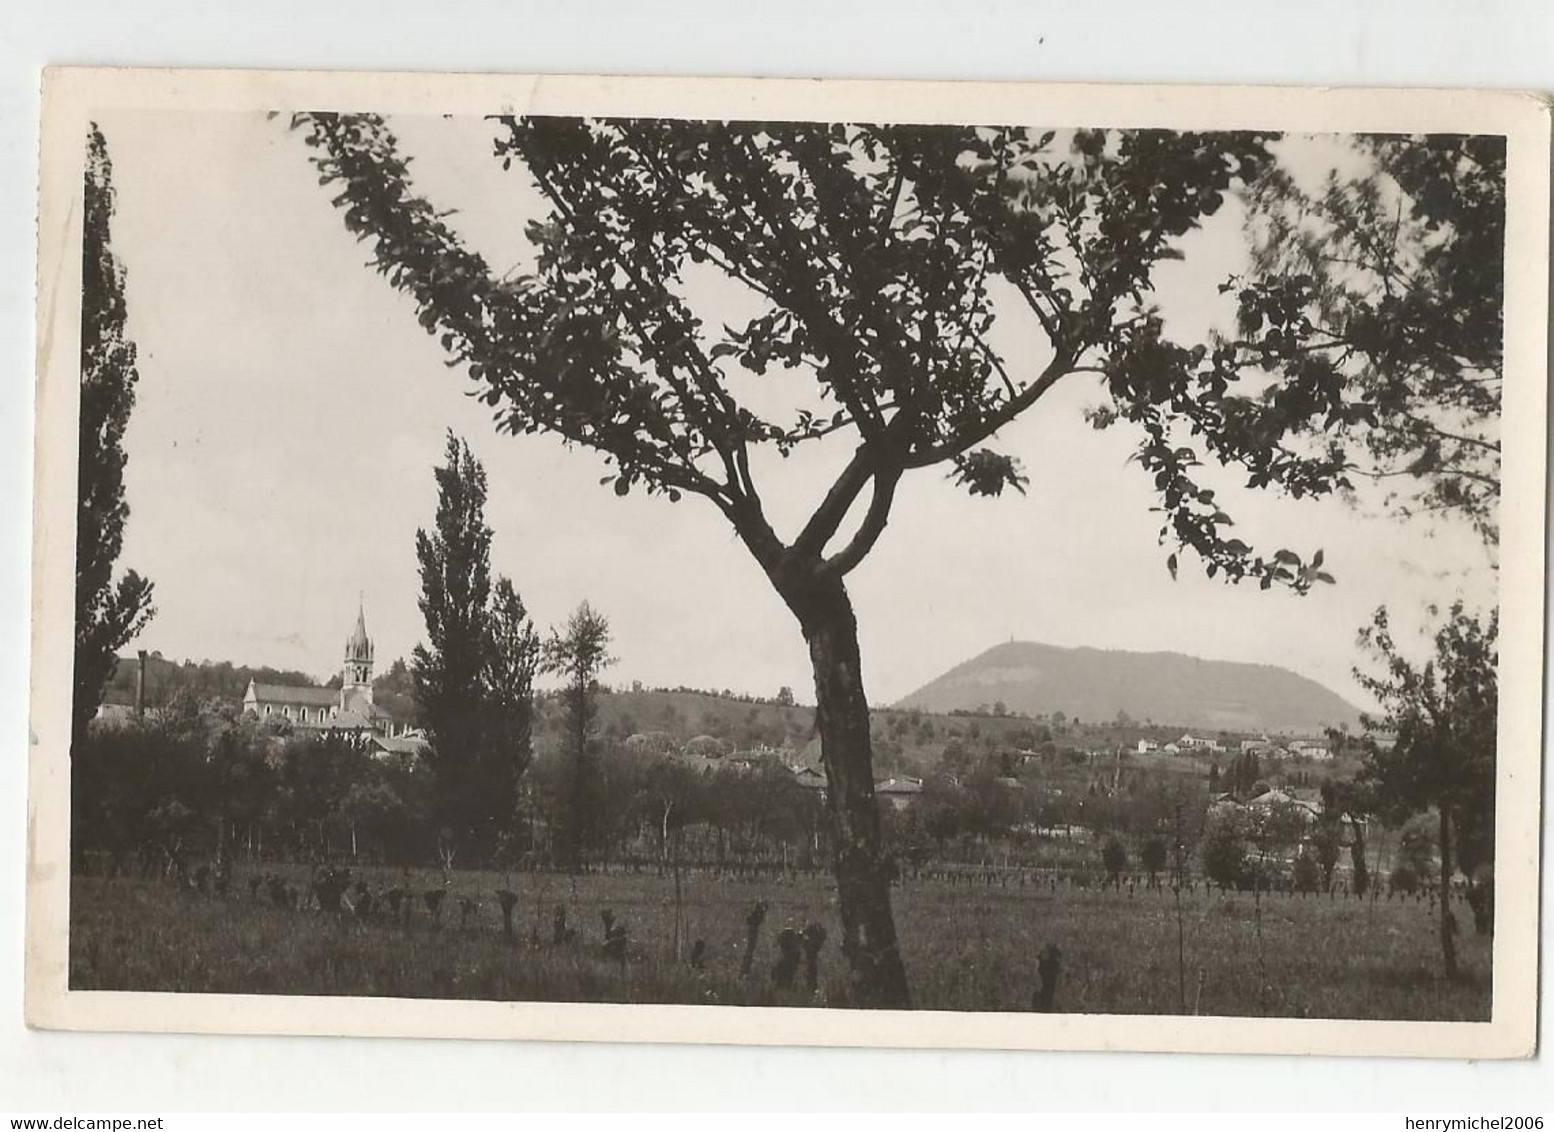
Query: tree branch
[(827, 518), (1060, 367), (868, 533)]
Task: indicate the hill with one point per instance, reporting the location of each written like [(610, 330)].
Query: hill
[(1097, 684)]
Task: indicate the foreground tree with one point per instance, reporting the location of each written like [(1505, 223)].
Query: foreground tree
[(108, 614), (1443, 714), (1398, 271), (881, 258), (474, 676)]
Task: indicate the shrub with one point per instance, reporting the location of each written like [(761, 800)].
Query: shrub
[(1308, 873), (1153, 857), (1404, 879), (1225, 850), (1115, 858)]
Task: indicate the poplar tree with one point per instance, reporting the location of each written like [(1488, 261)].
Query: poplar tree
[(109, 612), (474, 675)]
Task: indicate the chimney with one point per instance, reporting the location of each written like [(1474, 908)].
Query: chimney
[(140, 685)]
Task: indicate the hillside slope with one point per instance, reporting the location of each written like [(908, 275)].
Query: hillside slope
[(1096, 684)]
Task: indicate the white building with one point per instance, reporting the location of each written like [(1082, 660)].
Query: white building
[(1311, 749)]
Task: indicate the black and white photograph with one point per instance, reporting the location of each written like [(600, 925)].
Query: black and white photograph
[(1035, 558)]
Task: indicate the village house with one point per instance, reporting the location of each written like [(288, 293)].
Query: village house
[(1311, 749), (1191, 742), (810, 778), (1310, 808), (898, 792)]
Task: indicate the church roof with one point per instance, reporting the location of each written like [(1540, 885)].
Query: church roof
[(295, 694)]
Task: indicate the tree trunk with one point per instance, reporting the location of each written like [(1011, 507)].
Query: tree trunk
[(863, 869), (1358, 867), (1448, 921), (678, 901)]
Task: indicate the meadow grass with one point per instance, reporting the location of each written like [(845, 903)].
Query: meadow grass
[(967, 947)]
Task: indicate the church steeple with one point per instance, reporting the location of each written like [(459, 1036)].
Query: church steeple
[(358, 654)]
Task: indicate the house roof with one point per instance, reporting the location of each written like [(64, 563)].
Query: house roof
[(294, 694), (1277, 797), (348, 720), (809, 778), (402, 746), (899, 786)]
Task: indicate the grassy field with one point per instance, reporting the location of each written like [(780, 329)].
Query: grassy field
[(968, 947)]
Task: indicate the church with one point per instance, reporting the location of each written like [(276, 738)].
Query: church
[(324, 709)]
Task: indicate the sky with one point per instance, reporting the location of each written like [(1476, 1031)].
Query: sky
[(290, 412)]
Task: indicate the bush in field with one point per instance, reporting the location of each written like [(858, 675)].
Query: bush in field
[(706, 747), (1274, 830), (652, 743), (1308, 873), (1327, 846), (1114, 857), (1224, 852), (1416, 850), (1153, 858)]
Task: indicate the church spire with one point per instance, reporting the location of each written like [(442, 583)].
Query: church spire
[(358, 651)]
